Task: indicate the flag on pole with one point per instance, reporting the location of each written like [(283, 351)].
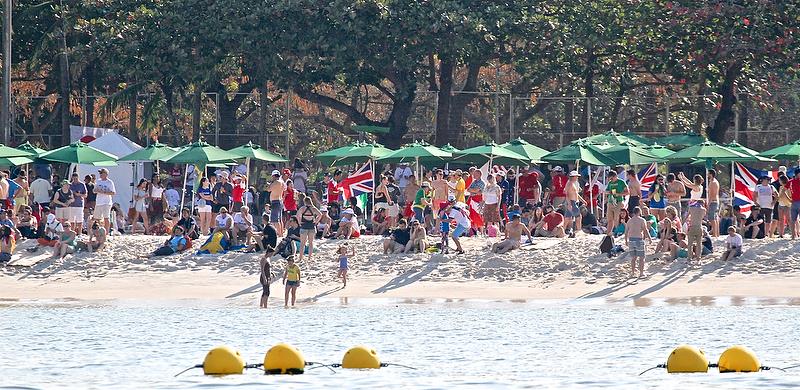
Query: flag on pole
[(647, 177), (360, 182), (744, 187)]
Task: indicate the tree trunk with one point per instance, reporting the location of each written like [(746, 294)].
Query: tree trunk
[(196, 105), (263, 100), (588, 88), (133, 108), (613, 122), (726, 114), (444, 101), (453, 127), (64, 94), (398, 119), (90, 95), (744, 119)]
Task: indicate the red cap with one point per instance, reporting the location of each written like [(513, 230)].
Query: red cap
[(286, 171)]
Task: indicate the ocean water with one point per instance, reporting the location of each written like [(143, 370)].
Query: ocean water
[(541, 344)]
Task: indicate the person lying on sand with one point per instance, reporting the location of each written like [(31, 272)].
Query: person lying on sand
[(174, 244), (513, 239)]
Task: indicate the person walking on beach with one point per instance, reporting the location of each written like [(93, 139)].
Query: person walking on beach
[(265, 278), (697, 212), (635, 233), (513, 239), (291, 279), (105, 190), (765, 197), (675, 191), (616, 190), (635, 190), (343, 261), (713, 201), (276, 189), (572, 211)]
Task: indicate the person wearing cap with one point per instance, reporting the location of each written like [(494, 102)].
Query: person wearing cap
[(239, 187), (765, 195), (753, 226), (348, 225), (616, 190), (402, 176), (513, 236), (76, 207), (422, 199), (530, 190), (66, 242), (52, 229), (61, 201), (105, 190), (460, 215), (439, 186), (572, 211), (276, 190), (558, 185)]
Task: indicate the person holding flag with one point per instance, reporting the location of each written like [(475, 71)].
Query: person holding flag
[(475, 191)]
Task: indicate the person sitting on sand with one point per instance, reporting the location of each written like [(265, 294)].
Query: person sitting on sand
[(223, 223), (417, 242), (619, 229), (380, 222), (291, 279), (652, 221), (754, 224), (66, 241), (266, 238), (97, 238), (28, 224), (7, 243), (678, 248), (324, 224), (174, 244), (398, 239), (636, 231), (188, 224), (343, 261), (265, 278), (552, 224), (733, 245), (49, 238), (513, 239), (348, 225), (242, 224), (589, 222)]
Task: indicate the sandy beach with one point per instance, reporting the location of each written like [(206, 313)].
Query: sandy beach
[(570, 268)]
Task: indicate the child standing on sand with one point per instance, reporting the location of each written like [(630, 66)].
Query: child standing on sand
[(343, 266), (291, 278), (444, 223), (266, 276)]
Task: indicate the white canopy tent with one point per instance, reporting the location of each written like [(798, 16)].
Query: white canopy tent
[(125, 175)]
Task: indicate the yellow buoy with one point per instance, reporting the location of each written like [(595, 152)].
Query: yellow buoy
[(361, 357), (284, 359), (223, 360), (686, 358), (738, 358)]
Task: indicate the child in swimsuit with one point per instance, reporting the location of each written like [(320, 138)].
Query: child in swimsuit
[(291, 278), (343, 266), (266, 274), (444, 227)]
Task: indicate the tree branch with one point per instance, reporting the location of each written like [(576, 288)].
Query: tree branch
[(352, 112)]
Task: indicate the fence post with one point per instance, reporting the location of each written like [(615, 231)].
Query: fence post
[(288, 102), (666, 114), (588, 116), (510, 116), (216, 118)]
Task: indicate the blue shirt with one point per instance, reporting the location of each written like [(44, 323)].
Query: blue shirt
[(176, 241)]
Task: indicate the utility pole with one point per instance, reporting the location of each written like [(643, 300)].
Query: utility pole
[(6, 112)]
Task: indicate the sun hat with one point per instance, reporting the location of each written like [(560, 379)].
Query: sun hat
[(558, 168), (451, 198), (286, 171), (574, 173), (275, 172), (426, 184), (348, 211)]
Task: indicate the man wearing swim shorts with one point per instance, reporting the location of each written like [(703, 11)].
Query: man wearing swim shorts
[(276, 190), (635, 233), (266, 273), (572, 213), (513, 240)]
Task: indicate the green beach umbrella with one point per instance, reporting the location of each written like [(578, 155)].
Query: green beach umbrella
[(790, 152), (638, 138), (7, 151), (199, 153), (708, 152), (525, 148), (256, 152), (80, 153), (361, 154), (327, 158), (493, 153), (580, 151), (417, 152), (31, 149), (154, 152), (14, 161), (629, 154), (737, 147), (612, 137), (681, 140), (658, 150), (450, 149)]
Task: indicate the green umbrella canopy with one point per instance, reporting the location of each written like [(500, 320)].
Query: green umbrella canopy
[(491, 151), (417, 151), (154, 152), (362, 154), (529, 150), (7, 151), (786, 152), (638, 138), (80, 153), (737, 147), (658, 150), (707, 151), (612, 137), (371, 129), (256, 152), (14, 161), (681, 140), (580, 151), (327, 158), (450, 148), (200, 153), (31, 149), (629, 154)]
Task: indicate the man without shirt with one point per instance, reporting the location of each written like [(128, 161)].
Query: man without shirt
[(635, 190), (694, 236), (713, 201), (276, 190), (572, 213), (675, 191), (635, 233), (513, 239)]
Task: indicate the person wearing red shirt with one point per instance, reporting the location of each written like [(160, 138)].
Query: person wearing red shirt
[(794, 188), (334, 192), (529, 190), (593, 195), (552, 224), (290, 199), (239, 183), (558, 184)]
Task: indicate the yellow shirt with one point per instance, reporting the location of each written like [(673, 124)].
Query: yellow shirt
[(293, 273), (460, 188)]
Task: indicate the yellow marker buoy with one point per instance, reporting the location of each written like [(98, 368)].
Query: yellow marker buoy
[(284, 359), (223, 360), (361, 357), (686, 358), (738, 358)]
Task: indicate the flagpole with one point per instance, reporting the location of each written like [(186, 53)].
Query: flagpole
[(733, 185), (183, 190)]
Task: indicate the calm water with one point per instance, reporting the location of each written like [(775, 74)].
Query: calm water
[(478, 344)]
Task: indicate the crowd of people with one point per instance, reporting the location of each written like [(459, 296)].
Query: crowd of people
[(285, 211)]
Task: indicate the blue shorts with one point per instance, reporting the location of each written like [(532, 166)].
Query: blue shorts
[(292, 283), (713, 210), (418, 214), (459, 231), (636, 247), (795, 211), (571, 209)]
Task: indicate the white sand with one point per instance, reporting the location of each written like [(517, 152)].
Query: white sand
[(572, 268)]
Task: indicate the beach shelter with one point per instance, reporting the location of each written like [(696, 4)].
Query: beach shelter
[(80, 153), (124, 175), (7, 151), (153, 152), (639, 138), (362, 153), (329, 157), (658, 150), (524, 148), (493, 154), (418, 152), (31, 149), (681, 140), (709, 152), (199, 154), (629, 154), (788, 152), (14, 161), (251, 151), (611, 136), (577, 152), (450, 149), (754, 155)]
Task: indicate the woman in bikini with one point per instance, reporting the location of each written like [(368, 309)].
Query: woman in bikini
[(309, 218)]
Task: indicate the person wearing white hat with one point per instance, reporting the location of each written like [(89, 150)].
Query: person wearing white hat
[(324, 224), (422, 200), (348, 225), (105, 190), (558, 184), (572, 213)]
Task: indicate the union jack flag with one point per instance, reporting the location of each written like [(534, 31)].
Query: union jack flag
[(744, 185), (360, 182), (647, 177)]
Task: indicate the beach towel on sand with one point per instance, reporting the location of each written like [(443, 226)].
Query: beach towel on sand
[(217, 243)]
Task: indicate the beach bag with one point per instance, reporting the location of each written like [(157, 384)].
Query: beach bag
[(491, 231), (215, 244), (606, 245)]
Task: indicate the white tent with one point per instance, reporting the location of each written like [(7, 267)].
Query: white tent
[(125, 174)]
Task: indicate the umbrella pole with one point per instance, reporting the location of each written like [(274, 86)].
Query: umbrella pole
[(733, 185), (183, 190), (516, 185), (374, 185)]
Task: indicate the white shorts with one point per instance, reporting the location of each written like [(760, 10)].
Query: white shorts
[(76, 214), (62, 213), (204, 209), (102, 211)]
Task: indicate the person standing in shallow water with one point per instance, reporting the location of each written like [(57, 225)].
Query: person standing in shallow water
[(265, 279), (291, 279)]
